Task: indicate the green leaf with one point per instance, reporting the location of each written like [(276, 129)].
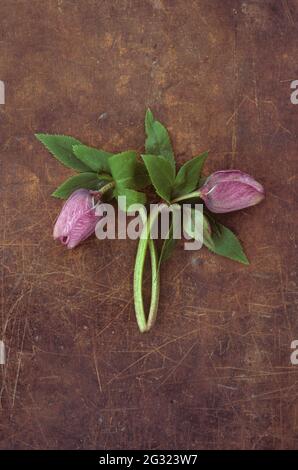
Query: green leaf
[(141, 176), (123, 169), (61, 146), (188, 177), (83, 180), (96, 160), (225, 243), (158, 141), (132, 197), (162, 175), (167, 247)]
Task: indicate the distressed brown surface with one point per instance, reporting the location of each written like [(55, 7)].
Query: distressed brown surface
[(215, 372)]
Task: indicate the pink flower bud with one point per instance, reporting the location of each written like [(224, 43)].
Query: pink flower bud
[(231, 190), (77, 219)]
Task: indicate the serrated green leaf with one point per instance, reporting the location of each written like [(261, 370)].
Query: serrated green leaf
[(162, 175), (158, 141), (225, 243), (188, 177), (127, 171), (83, 180), (123, 169), (96, 160), (141, 176), (61, 146), (132, 197)]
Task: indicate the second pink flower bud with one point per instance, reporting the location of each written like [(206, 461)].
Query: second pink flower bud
[(231, 190)]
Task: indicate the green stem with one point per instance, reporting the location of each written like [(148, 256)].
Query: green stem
[(145, 242), (155, 283), (186, 196), (104, 176), (107, 187)]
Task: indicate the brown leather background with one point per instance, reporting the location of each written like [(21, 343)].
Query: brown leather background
[(215, 372)]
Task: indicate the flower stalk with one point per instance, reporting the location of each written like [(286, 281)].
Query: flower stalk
[(145, 242), (185, 197), (107, 187)]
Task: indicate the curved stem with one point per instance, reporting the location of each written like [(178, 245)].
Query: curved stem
[(145, 242), (107, 187), (186, 196), (155, 283)]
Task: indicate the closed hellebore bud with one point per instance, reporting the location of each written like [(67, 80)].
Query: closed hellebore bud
[(77, 219), (230, 190)]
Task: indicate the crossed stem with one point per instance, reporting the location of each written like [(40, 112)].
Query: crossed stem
[(145, 324)]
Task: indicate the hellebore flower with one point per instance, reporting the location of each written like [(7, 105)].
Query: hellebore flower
[(231, 190), (77, 219)]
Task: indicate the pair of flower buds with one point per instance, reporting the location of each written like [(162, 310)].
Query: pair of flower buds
[(223, 191)]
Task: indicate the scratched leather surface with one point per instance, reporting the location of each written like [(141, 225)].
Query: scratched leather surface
[(215, 372)]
